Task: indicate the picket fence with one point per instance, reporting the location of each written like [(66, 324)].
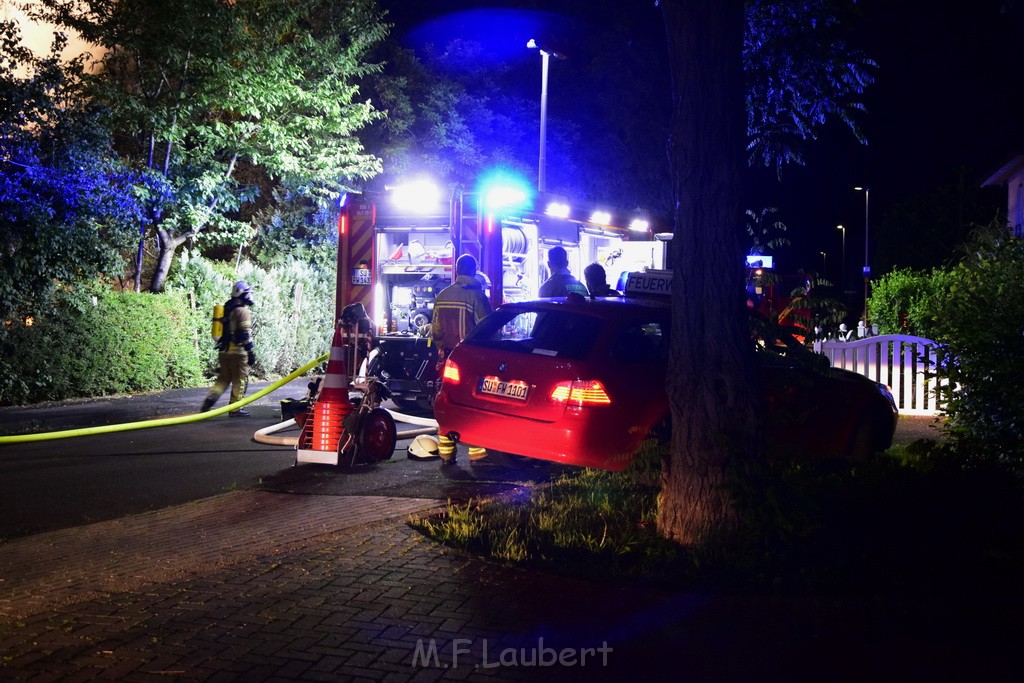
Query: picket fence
[(900, 361)]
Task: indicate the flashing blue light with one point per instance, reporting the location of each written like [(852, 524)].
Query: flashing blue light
[(504, 197), (503, 190)]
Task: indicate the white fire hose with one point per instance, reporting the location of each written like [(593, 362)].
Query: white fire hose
[(427, 426)]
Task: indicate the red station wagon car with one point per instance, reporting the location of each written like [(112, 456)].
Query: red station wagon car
[(582, 382)]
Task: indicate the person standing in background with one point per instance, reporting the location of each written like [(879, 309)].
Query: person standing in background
[(561, 281)]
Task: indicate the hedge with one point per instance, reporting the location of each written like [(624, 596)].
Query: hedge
[(98, 342)]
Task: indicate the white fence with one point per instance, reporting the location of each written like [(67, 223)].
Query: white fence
[(900, 361)]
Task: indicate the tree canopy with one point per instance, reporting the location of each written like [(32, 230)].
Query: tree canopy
[(207, 98), (63, 209)]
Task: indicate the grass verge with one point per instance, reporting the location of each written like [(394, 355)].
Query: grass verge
[(919, 518)]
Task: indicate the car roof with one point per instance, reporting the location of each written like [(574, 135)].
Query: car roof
[(600, 306)]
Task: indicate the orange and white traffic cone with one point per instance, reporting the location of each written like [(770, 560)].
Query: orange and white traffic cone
[(318, 441)]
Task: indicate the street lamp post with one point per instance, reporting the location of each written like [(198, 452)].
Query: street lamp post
[(842, 284), (824, 266), (544, 57), (867, 266)]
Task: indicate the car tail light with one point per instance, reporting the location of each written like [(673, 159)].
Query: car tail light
[(581, 393), (450, 373)]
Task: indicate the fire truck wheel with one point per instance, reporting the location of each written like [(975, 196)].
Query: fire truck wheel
[(378, 436)]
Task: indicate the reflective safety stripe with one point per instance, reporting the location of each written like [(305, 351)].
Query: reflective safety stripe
[(445, 448)]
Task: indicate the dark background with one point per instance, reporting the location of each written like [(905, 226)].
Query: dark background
[(945, 104)]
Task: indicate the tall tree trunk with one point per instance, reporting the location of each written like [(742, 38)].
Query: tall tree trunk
[(167, 246), (710, 366)]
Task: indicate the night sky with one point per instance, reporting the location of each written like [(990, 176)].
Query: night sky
[(945, 97)]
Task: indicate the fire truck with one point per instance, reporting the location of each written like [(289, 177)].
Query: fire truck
[(397, 250)]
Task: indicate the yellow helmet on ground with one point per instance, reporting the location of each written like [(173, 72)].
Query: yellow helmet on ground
[(424, 447)]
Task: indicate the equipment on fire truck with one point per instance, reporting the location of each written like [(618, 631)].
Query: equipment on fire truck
[(348, 426), (412, 304)]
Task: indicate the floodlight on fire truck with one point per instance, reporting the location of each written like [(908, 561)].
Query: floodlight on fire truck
[(557, 210), (601, 218), (418, 196), (639, 225)]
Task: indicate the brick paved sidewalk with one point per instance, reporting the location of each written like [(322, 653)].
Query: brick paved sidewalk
[(123, 555), (254, 586)]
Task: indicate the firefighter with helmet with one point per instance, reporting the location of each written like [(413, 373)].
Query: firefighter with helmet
[(458, 308), (235, 350)]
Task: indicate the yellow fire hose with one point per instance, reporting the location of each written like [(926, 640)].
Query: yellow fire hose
[(163, 421)]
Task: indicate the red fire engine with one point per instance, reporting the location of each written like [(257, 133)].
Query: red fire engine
[(398, 249)]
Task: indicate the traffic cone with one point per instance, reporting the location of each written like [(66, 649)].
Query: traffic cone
[(318, 441)]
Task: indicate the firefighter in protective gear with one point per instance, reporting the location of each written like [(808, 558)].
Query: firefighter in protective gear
[(235, 350), (458, 308)]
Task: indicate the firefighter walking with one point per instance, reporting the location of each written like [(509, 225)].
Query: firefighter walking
[(458, 308), (235, 350)]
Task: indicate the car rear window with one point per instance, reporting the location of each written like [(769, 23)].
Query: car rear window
[(642, 343), (563, 334)]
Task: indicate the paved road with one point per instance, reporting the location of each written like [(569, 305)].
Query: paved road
[(278, 583), (51, 485)]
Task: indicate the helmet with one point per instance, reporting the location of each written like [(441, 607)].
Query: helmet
[(243, 292), (424, 447), (241, 288)]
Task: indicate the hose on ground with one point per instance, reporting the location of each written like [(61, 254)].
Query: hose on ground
[(265, 435), (163, 421)]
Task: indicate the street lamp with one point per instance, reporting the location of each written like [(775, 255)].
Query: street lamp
[(544, 54), (867, 267), (824, 267), (842, 284)]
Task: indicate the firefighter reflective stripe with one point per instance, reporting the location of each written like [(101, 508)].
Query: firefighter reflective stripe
[(446, 448), (453, 322), (457, 310)]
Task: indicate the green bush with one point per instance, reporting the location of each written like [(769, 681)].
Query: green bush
[(292, 313), (96, 342), (894, 299), (977, 315), (123, 342)]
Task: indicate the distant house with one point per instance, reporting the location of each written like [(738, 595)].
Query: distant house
[(1011, 176)]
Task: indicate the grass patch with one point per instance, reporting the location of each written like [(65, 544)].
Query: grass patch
[(587, 522), (919, 518)]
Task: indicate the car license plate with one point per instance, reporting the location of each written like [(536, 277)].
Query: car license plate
[(506, 389)]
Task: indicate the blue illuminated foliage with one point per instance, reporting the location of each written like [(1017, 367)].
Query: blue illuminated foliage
[(801, 72), (64, 211), (218, 104)]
